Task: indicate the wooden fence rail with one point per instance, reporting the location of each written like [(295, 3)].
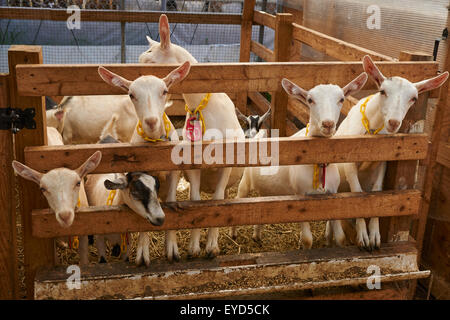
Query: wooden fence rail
[(233, 212), (83, 79)]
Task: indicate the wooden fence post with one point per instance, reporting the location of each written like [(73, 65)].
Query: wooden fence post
[(37, 252), (244, 54), (282, 50), (8, 244)]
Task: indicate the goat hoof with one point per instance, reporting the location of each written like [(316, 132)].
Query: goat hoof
[(102, 260), (211, 255)]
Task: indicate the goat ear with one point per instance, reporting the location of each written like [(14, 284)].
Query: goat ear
[(150, 41), (373, 71), (356, 84), (178, 74), (26, 172), (264, 118), (59, 115), (116, 184), (240, 115), (294, 90), (113, 79), (164, 31), (431, 84), (90, 164), (157, 184)]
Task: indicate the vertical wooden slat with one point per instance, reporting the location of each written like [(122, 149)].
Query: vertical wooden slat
[(244, 54), (37, 252), (8, 244), (282, 50)]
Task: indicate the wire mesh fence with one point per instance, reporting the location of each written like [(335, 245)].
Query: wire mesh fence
[(120, 42)]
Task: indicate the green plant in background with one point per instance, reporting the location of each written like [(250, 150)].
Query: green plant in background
[(267, 95)]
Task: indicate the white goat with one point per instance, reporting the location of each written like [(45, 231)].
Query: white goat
[(385, 111), (63, 188), (149, 95), (219, 117), (325, 103), (80, 119)]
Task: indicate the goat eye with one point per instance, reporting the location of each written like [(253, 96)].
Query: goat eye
[(341, 101), (43, 189), (414, 99), (131, 96), (78, 183), (310, 101), (165, 92), (382, 92)]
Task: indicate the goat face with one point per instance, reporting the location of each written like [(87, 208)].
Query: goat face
[(60, 186), (324, 101), (149, 96), (164, 51), (139, 191), (396, 95)]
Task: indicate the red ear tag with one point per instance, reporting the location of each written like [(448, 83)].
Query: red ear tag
[(194, 129)]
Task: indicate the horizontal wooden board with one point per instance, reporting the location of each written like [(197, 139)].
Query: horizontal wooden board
[(264, 19), (125, 157), (225, 276), (443, 155), (119, 16), (261, 51), (83, 79), (233, 212), (333, 47)]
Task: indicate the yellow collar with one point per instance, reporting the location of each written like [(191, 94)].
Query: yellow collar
[(167, 127), (365, 120), (123, 236), (199, 109)]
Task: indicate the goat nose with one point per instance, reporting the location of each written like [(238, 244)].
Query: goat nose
[(151, 122), (394, 124), (159, 221), (328, 124), (65, 216)]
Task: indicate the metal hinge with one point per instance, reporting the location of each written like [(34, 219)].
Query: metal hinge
[(16, 119)]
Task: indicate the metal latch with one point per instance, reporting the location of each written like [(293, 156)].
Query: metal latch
[(16, 119)]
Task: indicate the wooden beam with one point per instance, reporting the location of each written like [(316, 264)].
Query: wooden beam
[(125, 157), (264, 19), (37, 252), (8, 238), (244, 51), (261, 51), (443, 154), (83, 79), (225, 276), (232, 212), (333, 47), (259, 100), (119, 16), (282, 53)]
